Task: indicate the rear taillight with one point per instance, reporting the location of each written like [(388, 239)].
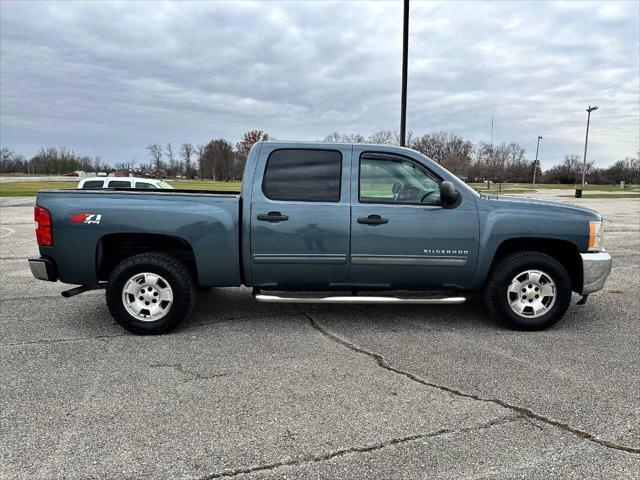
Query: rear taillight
[(44, 234)]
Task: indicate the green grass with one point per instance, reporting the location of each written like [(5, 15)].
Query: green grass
[(31, 189), (205, 185), (542, 186)]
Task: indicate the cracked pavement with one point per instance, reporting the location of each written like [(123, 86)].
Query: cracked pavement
[(248, 390)]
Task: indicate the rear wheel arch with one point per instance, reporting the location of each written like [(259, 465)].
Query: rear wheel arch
[(116, 247)]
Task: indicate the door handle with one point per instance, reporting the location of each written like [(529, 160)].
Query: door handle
[(373, 220), (273, 217)]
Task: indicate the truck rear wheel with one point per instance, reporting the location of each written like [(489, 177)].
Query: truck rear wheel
[(150, 293), (528, 291)]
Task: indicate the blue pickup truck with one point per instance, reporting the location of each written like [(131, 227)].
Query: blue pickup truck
[(322, 223)]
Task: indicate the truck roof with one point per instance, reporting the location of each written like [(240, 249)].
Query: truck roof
[(316, 144)]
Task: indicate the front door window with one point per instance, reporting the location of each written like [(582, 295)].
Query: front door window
[(396, 180)]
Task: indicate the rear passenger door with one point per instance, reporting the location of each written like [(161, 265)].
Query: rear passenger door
[(300, 215)]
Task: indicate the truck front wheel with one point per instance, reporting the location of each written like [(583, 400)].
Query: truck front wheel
[(150, 293), (528, 291)]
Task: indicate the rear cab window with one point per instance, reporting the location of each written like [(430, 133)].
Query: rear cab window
[(304, 175)]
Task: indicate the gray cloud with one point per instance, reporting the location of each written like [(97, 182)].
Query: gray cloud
[(109, 78)]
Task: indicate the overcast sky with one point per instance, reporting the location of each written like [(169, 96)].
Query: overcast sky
[(107, 78)]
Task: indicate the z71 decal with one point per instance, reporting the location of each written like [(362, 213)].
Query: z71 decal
[(88, 218)]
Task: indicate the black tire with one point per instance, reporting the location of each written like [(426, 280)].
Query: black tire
[(507, 268), (170, 269)]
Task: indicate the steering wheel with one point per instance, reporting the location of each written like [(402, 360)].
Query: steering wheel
[(396, 189), (429, 193), (409, 194)]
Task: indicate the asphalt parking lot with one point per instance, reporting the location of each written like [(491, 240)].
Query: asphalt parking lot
[(248, 390)]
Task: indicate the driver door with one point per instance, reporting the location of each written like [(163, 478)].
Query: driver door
[(401, 236)]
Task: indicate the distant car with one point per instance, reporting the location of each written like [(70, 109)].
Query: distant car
[(123, 182), (71, 174)]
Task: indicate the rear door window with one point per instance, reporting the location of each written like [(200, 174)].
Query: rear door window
[(119, 184), (303, 175)]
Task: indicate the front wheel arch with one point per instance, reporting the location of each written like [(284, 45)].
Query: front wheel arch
[(563, 251)]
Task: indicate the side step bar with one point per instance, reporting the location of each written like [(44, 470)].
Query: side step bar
[(260, 297)]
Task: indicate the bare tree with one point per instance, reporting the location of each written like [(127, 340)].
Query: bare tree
[(569, 171), (155, 152), (217, 160), (187, 151), (449, 150), (333, 137), (126, 166), (345, 138), (12, 162), (144, 167), (97, 164), (382, 137), (627, 170), (174, 165), (201, 151), (409, 141)]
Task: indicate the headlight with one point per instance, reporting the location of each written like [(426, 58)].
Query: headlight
[(595, 236)]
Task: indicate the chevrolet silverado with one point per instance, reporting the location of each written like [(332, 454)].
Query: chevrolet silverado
[(322, 223)]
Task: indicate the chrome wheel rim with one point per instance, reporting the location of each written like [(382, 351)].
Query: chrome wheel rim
[(147, 296), (531, 293)]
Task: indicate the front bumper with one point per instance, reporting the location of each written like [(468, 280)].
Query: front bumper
[(595, 270), (43, 269)]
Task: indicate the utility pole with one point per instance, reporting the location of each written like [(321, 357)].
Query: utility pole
[(491, 153), (584, 157), (535, 163), (491, 137), (405, 58)]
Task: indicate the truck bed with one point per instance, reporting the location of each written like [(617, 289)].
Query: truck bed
[(84, 221)]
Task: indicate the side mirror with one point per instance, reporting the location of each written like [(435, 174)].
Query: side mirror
[(448, 194)]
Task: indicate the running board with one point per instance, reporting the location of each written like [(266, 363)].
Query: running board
[(260, 297), (72, 292)]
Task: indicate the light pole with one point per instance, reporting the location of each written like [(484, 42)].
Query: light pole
[(535, 163), (584, 157), (405, 58)]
